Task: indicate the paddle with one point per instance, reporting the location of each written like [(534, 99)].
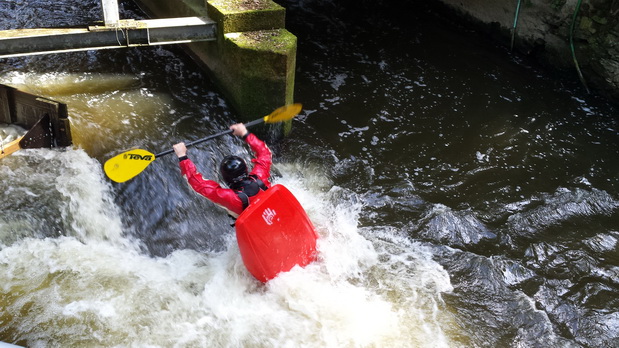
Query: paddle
[(127, 165)]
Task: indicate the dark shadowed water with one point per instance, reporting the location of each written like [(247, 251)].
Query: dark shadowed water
[(464, 197)]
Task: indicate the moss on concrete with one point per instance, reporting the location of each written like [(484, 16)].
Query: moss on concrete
[(236, 16), (265, 64), (276, 41), (256, 54), (231, 6), (253, 60)]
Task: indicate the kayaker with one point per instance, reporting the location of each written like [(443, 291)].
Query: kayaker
[(242, 184)]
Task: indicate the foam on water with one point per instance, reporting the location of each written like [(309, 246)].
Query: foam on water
[(48, 193), (91, 286), (9, 133)]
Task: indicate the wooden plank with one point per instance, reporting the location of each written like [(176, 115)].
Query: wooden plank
[(29, 108), (5, 104), (6, 150)]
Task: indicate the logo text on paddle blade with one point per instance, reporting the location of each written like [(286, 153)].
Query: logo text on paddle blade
[(134, 156), (268, 214)]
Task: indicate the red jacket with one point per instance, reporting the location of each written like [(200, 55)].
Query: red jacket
[(226, 197)]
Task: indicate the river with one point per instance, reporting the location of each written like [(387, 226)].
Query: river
[(463, 196)]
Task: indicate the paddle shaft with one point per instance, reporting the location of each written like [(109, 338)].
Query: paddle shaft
[(229, 131)]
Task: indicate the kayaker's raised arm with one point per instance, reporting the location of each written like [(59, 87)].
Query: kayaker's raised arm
[(242, 184)]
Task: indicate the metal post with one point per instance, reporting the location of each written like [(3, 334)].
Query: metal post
[(110, 12)]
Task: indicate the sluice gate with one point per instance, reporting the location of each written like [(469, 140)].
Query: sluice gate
[(46, 120)]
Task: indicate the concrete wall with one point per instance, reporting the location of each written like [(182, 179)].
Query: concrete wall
[(253, 60), (543, 32)]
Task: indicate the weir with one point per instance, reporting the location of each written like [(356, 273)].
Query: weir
[(242, 44)]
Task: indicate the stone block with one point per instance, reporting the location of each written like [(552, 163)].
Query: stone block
[(253, 60), (246, 15)]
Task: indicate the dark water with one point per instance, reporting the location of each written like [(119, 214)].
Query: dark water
[(508, 173), (465, 198)]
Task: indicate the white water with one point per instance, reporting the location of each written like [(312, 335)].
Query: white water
[(71, 277), (9, 133)]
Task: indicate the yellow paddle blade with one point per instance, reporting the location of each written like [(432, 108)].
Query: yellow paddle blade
[(128, 164), (284, 113)]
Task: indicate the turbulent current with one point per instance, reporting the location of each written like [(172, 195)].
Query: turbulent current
[(463, 196)]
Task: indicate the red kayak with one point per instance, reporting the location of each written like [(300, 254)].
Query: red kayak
[(275, 234)]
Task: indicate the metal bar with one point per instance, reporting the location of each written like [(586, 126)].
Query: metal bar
[(128, 33), (111, 17)]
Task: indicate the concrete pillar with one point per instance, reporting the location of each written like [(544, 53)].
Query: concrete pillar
[(252, 61)]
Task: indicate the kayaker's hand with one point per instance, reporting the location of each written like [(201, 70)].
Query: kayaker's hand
[(180, 149), (239, 130)]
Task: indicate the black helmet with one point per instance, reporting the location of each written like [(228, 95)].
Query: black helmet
[(233, 169)]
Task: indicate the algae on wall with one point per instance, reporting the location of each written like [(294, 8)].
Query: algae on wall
[(255, 56)]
